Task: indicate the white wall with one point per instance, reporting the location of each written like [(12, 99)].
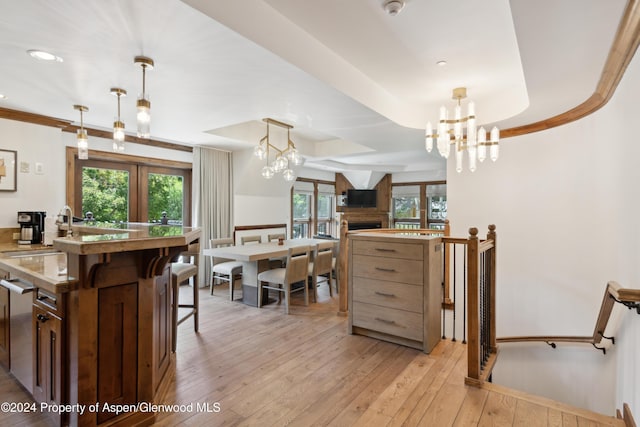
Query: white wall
[(565, 204), (35, 192), (46, 145)]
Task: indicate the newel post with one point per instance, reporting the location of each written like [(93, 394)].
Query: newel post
[(473, 305), (447, 266), (343, 269), (491, 235)]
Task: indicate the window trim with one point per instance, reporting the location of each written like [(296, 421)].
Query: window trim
[(142, 163)]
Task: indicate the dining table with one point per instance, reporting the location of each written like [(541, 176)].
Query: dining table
[(255, 260)]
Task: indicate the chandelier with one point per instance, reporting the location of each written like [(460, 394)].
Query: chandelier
[(118, 125), (452, 132), (83, 141), (144, 105), (283, 158)]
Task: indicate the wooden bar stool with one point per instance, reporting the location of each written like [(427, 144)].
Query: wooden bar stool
[(181, 272)]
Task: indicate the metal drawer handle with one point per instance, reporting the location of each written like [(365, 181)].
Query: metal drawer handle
[(42, 318), (385, 250), (385, 295), (388, 322), (388, 270)]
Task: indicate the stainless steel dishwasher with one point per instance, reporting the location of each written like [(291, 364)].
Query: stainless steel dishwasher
[(20, 332)]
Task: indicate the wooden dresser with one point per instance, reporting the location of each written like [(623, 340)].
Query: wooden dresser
[(395, 288)]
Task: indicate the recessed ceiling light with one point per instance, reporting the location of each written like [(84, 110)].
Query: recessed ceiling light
[(441, 63), (3, 96), (44, 56)]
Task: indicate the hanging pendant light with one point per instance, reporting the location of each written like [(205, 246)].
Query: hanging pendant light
[(453, 132), (118, 125), (143, 104), (285, 157), (83, 141)]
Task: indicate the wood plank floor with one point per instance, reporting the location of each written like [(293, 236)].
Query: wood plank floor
[(263, 368)]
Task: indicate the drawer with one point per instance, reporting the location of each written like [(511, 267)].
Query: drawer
[(394, 270), (388, 294), (391, 321), (388, 249), (50, 301)]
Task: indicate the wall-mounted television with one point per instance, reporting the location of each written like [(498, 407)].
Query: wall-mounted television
[(362, 198)]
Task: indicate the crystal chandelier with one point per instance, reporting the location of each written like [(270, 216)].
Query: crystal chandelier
[(452, 132), (283, 158), (118, 125), (83, 141)]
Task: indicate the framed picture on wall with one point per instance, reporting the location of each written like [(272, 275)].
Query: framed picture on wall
[(8, 161)]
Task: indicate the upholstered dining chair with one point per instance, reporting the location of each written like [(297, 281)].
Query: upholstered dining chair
[(180, 273), (274, 237), (320, 268), (296, 271), (278, 261), (222, 269), (250, 239)]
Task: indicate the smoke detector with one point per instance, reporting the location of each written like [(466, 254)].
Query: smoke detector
[(393, 7)]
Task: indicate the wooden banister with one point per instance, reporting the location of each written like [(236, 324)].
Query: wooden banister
[(482, 350), (626, 416), (613, 293)]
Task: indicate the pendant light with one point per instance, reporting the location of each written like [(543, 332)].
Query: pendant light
[(143, 104), (118, 125), (83, 141)]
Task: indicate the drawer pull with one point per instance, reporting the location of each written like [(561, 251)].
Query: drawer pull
[(385, 294), (388, 270), (42, 318), (388, 322), (385, 250)]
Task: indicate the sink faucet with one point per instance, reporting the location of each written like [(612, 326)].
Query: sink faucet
[(60, 219)]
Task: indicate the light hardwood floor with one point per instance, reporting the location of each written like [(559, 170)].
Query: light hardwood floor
[(263, 368)]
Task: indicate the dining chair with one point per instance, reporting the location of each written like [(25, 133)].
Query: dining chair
[(276, 262), (275, 237), (296, 271), (181, 272), (222, 269), (250, 239), (320, 268)]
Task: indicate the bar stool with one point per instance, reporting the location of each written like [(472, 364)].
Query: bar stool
[(181, 272)]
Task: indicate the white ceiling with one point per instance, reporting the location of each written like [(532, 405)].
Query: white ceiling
[(358, 85)]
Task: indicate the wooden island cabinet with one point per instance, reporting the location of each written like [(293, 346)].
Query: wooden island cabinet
[(102, 316), (395, 288)]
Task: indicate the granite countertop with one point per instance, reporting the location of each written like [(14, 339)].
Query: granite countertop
[(123, 237), (46, 267)]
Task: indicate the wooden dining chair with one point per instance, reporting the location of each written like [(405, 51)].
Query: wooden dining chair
[(296, 271), (276, 262), (320, 268), (180, 273), (222, 269)]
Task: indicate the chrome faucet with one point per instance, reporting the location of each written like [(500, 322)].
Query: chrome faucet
[(60, 219)]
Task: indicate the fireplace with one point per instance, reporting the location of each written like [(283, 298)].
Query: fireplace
[(364, 225)]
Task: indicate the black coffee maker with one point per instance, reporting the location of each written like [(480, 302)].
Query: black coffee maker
[(31, 227)]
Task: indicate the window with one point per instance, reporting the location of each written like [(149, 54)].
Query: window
[(419, 204), (313, 208), (301, 214), (121, 188), (406, 206), (105, 194)]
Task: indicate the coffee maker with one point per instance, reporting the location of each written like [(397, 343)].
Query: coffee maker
[(31, 227)]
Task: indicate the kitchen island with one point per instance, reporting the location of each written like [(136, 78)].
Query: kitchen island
[(101, 320)]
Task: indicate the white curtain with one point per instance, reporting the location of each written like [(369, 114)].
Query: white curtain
[(212, 199)]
